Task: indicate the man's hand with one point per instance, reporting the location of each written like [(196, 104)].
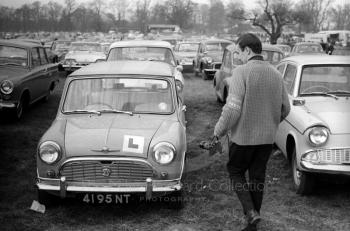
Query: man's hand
[(213, 145)]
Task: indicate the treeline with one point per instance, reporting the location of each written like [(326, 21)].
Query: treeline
[(102, 15)]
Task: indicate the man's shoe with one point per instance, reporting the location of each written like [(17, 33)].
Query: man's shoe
[(253, 217)]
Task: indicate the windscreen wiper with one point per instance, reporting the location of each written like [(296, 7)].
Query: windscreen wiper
[(85, 111), (320, 93), (116, 111)]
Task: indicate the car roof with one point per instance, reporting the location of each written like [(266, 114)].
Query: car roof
[(306, 43), (268, 47), (83, 42), (216, 40), (19, 43), (126, 68), (318, 59), (141, 43)]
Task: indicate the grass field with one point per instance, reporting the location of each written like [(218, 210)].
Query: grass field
[(210, 204)]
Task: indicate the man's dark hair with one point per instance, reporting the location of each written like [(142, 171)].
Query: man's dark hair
[(250, 40)]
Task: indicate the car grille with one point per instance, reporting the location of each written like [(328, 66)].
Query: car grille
[(116, 171), (334, 156), (83, 64)]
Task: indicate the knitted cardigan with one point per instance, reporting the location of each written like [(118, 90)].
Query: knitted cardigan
[(257, 102)]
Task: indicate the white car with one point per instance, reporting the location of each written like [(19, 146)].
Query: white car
[(82, 54), (147, 50)]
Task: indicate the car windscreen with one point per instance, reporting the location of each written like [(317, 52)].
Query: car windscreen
[(86, 47), (216, 46), (325, 78), (272, 57), (188, 47), (142, 53), (13, 56), (136, 95)]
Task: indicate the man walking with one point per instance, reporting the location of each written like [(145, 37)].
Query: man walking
[(257, 102)]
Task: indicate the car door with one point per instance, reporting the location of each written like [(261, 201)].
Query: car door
[(48, 70), (33, 80), (289, 71)]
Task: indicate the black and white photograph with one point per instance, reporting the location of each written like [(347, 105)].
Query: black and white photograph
[(175, 115)]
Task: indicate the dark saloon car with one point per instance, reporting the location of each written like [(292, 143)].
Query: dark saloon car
[(209, 56), (26, 75)]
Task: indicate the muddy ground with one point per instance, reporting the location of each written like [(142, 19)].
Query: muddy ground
[(210, 204)]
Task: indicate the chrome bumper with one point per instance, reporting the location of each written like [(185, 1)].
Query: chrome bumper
[(148, 187), (341, 169), (7, 105)]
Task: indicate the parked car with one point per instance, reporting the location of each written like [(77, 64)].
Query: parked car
[(185, 53), (147, 50), (315, 135), (26, 75), (230, 60), (82, 54), (303, 48), (209, 57), (61, 47), (120, 130)]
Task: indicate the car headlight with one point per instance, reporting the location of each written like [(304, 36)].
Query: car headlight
[(318, 135), (164, 153), (49, 152), (6, 87)]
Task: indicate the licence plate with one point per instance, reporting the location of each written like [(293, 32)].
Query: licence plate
[(93, 198)]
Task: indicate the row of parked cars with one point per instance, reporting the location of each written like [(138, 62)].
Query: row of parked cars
[(121, 129)]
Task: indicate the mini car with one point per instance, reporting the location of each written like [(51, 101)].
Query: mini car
[(26, 76), (209, 56), (82, 54), (285, 48), (303, 48), (147, 50), (185, 53), (119, 131), (230, 60), (315, 135)]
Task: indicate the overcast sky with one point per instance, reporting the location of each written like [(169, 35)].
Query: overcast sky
[(18, 3)]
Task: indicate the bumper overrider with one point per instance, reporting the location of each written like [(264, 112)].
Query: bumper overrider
[(62, 186), (332, 161)]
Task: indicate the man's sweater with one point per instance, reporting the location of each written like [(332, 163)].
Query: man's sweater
[(257, 102)]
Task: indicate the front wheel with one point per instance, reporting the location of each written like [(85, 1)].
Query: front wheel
[(303, 181)]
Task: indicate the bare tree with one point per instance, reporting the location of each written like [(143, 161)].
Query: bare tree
[(54, 12), (142, 15), (341, 16), (97, 6), (318, 11), (179, 12), (216, 16), (272, 18), (69, 9), (119, 8)]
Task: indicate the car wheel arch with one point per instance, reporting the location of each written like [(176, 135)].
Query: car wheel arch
[(26, 97), (290, 146)]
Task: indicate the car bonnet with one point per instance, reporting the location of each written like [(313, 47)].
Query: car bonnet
[(110, 134)]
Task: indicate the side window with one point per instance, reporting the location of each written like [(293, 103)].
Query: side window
[(224, 57), (43, 57), (280, 68), (289, 77), (35, 57)]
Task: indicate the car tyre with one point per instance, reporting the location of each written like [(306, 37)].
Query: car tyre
[(18, 111), (176, 200), (195, 71), (46, 198), (304, 182)]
